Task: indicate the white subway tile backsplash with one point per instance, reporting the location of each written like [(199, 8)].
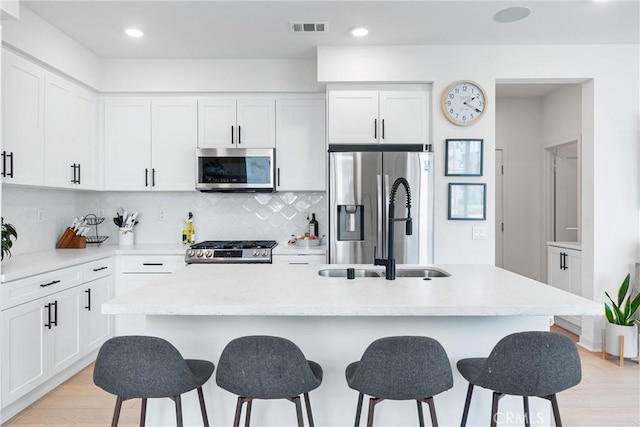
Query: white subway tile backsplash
[(216, 215)]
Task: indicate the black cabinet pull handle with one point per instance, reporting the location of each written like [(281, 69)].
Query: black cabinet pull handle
[(153, 177), (88, 306), (153, 263), (239, 135), (10, 155), (278, 177), (566, 267), (375, 128), (146, 177), (48, 324), (73, 180), (382, 128), (79, 180), (100, 268), (44, 285), (4, 164), (55, 313), (232, 140)]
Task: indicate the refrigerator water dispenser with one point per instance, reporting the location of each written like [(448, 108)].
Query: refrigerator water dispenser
[(350, 222)]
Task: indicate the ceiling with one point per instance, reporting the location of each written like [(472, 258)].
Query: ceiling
[(260, 29)]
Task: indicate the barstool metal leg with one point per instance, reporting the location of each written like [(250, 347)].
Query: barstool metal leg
[(203, 408), (116, 412), (372, 403), (143, 412), (359, 410), (236, 418), (467, 403), (247, 415), (556, 410), (527, 421), (494, 409), (178, 410), (420, 414), (307, 404), (296, 400), (432, 412)]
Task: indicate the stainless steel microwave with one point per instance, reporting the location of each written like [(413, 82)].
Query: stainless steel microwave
[(235, 169)]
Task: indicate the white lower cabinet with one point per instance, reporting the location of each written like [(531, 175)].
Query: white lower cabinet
[(55, 328), (564, 267), (303, 259), (136, 271)]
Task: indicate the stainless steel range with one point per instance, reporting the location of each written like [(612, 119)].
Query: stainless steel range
[(230, 252)]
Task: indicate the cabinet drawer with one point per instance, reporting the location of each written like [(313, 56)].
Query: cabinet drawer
[(30, 288), (299, 259), (97, 269), (141, 264)]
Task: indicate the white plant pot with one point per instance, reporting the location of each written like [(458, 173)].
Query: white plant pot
[(612, 339)]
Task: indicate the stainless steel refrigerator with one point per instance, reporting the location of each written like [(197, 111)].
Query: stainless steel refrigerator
[(360, 179)]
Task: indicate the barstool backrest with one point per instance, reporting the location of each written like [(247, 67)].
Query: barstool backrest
[(264, 367), (535, 363), (142, 367), (403, 368)]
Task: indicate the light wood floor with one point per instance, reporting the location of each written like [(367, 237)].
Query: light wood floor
[(608, 396)]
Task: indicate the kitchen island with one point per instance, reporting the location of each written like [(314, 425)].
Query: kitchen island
[(202, 307)]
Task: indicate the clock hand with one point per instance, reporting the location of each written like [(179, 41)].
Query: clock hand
[(471, 106)]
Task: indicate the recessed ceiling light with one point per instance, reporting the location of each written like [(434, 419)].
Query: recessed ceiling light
[(512, 14), (133, 32), (359, 32)]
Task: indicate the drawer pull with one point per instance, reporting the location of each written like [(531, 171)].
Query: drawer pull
[(157, 264), (298, 263), (44, 285), (100, 268), (48, 324), (55, 313), (88, 292)]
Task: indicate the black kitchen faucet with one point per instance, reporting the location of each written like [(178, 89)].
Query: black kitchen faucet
[(390, 262)]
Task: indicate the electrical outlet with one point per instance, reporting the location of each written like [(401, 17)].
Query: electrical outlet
[(161, 216), (40, 215), (479, 233)]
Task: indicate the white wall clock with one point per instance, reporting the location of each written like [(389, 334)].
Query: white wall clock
[(464, 102)]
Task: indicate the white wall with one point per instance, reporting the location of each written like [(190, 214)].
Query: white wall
[(216, 215), (39, 39), (562, 115), (518, 133)]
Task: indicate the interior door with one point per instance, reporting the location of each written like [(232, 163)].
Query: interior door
[(499, 209)]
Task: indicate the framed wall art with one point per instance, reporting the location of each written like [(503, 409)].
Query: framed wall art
[(467, 201), (463, 157)]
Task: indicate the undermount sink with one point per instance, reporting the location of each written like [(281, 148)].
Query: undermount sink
[(423, 272)]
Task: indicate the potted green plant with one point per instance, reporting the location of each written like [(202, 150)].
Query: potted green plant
[(8, 231), (621, 321)]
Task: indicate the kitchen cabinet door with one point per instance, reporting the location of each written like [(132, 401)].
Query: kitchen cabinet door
[(98, 326), (25, 361), (127, 159), (559, 277), (404, 117), (300, 145), (256, 121), (565, 272), (174, 136), (22, 121), (70, 134), (65, 336), (217, 123), (353, 117)]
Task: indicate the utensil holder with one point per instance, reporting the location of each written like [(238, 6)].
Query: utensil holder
[(125, 237)]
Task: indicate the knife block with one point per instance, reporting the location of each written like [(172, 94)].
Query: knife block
[(69, 240)]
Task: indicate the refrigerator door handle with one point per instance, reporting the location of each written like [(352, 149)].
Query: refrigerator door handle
[(379, 248)]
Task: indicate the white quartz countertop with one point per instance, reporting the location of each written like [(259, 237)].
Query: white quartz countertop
[(284, 248), (567, 245), (298, 290), (25, 265)]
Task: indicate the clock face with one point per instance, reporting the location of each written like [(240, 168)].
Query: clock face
[(463, 103)]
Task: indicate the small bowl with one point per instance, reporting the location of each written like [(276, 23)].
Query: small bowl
[(309, 243)]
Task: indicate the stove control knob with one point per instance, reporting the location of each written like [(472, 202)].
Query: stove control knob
[(256, 253), (208, 253), (191, 253), (199, 253), (265, 252)]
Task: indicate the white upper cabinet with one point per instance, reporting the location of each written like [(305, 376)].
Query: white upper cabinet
[(22, 121), (127, 138), (236, 122), (371, 117), (174, 136), (150, 144), (300, 144), (70, 134)]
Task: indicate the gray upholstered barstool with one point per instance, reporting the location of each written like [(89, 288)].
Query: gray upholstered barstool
[(265, 367), (148, 367), (525, 364), (401, 368)]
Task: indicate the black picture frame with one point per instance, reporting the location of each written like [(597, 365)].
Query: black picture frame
[(463, 157), (467, 201)]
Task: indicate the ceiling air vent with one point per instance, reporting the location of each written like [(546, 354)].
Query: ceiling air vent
[(309, 27)]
